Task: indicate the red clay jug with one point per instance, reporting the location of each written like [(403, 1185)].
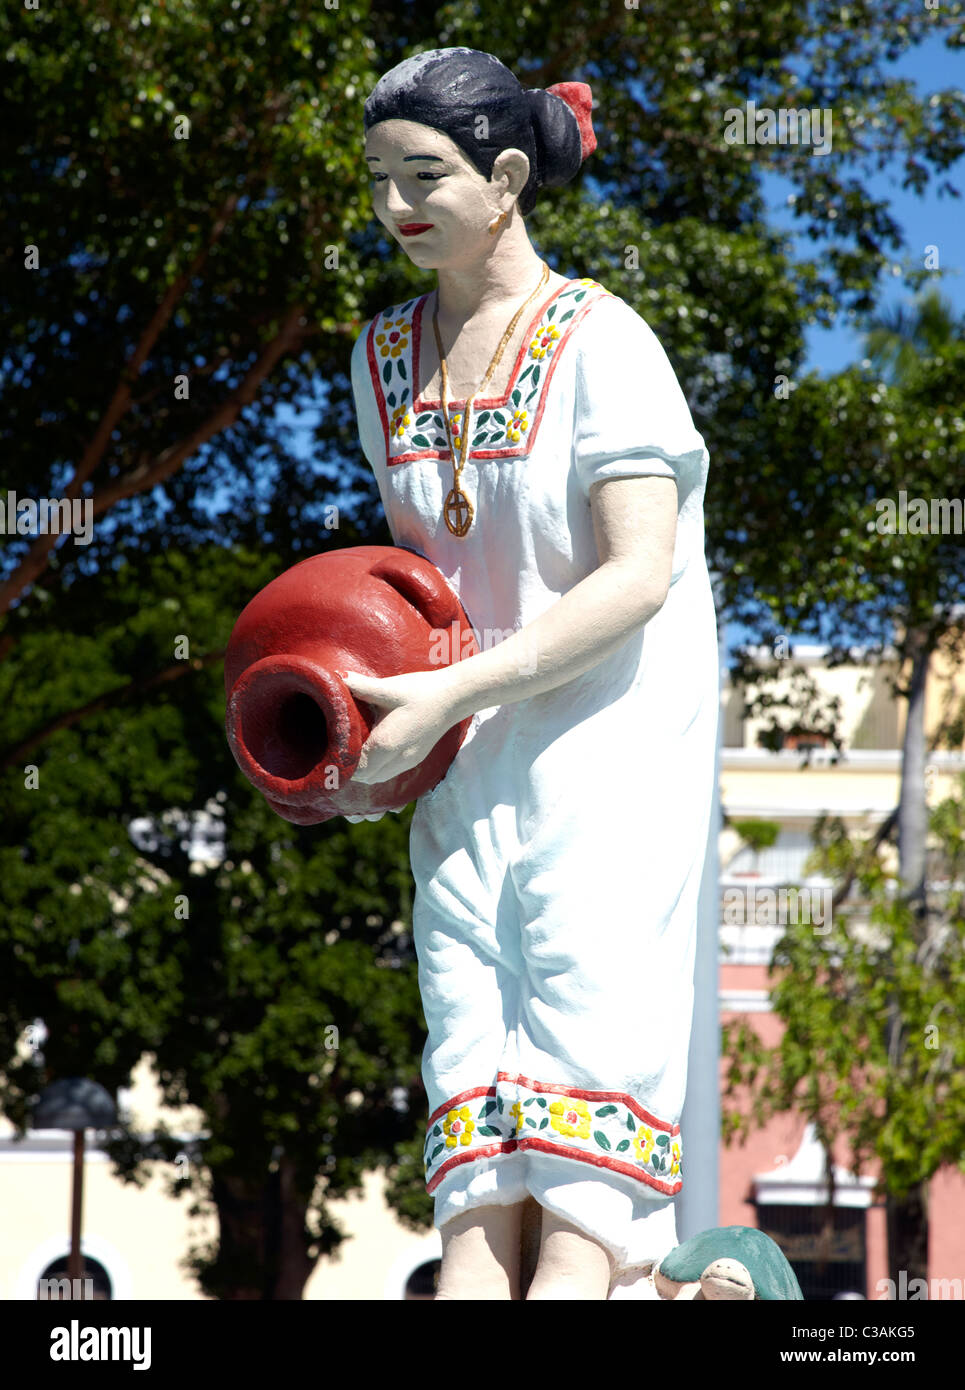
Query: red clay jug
[(294, 727)]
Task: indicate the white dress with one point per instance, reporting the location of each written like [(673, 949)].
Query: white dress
[(557, 864)]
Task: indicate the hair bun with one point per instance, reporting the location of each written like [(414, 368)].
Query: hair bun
[(559, 146), (579, 99)]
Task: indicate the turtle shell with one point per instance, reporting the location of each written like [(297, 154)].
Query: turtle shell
[(765, 1261)]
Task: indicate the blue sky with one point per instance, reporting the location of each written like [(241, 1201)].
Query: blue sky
[(927, 220), (924, 220)]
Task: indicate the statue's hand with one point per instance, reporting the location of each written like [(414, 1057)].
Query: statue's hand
[(419, 708)]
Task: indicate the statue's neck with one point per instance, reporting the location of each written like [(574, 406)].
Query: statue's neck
[(508, 272)]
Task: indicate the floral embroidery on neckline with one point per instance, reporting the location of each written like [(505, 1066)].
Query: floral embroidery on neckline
[(501, 425)]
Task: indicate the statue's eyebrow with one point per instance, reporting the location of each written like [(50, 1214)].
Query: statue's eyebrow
[(407, 157)]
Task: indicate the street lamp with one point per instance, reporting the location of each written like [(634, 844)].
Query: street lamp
[(76, 1104)]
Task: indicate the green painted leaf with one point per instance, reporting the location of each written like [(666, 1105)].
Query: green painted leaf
[(439, 443), (529, 1101), (535, 375), (387, 371), (404, 397), (479, 439), (568, 315), (544, 1121), (663, 1140), (530, 1122), (437, 1131), (391, 398), (623, 1144), (550, 312), (487, 1130), (421, 419), (516, 396), (631, 1124), (601, 1139), (487, 1109), (421, 440), (578, 297), (523, 375), (435, 1152), (541, 1101), (483, 418), (499, 1104), (402, 371), (499, 416), (605, 1110)]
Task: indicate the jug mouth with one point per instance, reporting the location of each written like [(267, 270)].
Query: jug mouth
[(294, 729)]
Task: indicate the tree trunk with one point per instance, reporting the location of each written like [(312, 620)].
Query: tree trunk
[(262, 1250), (912, 803), (907, 1217), (907, 1232)]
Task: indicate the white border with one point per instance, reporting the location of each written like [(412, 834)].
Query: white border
[(416, 1254), (24, 1283)]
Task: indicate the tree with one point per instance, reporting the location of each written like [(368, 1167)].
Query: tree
[(864, 573), (183, 296), (874, 1043)]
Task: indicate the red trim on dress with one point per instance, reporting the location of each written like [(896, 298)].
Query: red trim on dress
[(548, 1146), (494, 402), (573, 1091)]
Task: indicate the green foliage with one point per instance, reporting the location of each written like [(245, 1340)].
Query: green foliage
[(758, 834), (873, 1045)]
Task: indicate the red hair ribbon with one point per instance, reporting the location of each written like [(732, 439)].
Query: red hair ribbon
[(579, 99)]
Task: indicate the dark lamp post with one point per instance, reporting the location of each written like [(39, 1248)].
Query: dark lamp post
[(76, 1104)]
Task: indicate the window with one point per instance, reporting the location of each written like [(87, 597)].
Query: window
[(95, 1282), (823, 1268)]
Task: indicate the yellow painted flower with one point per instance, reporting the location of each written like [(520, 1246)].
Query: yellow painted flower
[(516, 1110), (517, 425), (675, 1162), (571, 1117), (544, 342), (458, 1126), (394, 339), (400, 420), (455, 423), (643, 1143)]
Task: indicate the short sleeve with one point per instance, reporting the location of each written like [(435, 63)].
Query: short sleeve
[(632, 418), (366, 409)]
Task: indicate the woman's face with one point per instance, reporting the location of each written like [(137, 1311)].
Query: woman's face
[(428, 196)]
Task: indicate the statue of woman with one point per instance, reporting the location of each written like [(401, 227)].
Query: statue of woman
[(530, 438)]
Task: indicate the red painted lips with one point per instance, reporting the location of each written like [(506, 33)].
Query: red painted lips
[(414, 228)]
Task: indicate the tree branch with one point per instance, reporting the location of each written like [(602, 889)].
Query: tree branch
[(37, 557), (107, 701), (148, 475)]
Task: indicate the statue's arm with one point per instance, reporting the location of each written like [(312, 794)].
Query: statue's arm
[(635, 522)]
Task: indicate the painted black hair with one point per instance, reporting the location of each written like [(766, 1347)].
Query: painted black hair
[(450, 88)]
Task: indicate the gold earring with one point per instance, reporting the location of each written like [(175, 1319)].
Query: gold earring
[(497, 222)]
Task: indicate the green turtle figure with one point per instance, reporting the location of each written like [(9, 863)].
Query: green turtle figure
[(728, 1263)]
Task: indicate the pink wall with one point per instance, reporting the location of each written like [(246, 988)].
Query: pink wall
[(782, 1136)]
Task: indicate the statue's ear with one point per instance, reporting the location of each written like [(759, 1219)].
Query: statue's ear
[(513, 166)]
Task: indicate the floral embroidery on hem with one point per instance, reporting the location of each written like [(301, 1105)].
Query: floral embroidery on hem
[(603, 1128)]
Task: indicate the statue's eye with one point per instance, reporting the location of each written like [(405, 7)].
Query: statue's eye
[(424, 174)]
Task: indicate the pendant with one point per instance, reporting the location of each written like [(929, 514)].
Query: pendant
[(457, 503)]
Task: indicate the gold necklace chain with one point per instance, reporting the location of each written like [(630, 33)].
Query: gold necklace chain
[(457, 502)]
